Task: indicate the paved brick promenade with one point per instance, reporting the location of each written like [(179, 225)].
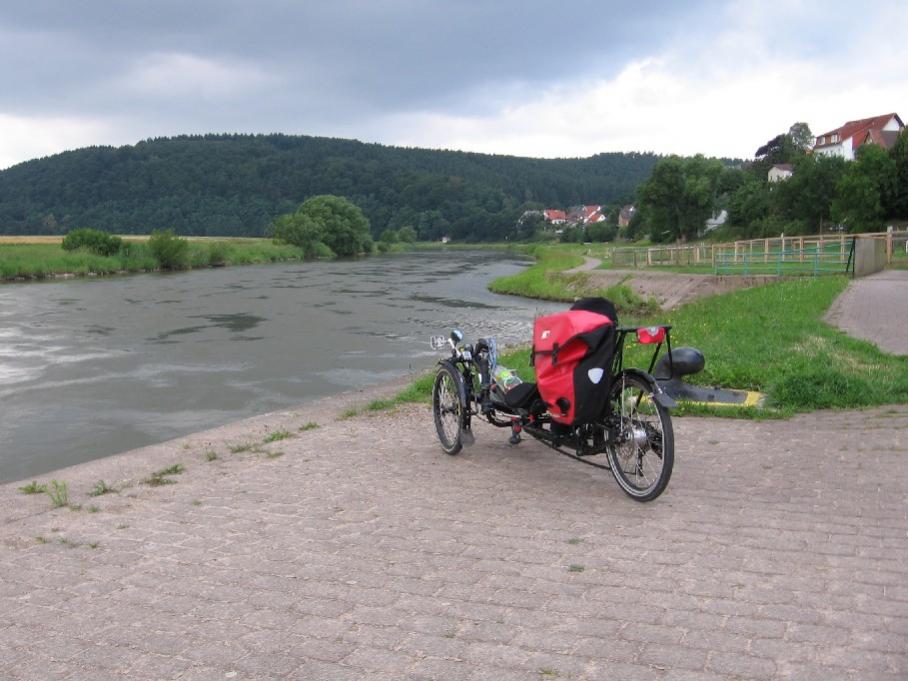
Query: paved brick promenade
[(779, 552)]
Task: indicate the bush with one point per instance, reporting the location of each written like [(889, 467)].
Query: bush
[(218, 254), (171, 252), (92, 240)]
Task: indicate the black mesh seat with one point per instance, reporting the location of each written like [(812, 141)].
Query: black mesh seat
[(521, 396)]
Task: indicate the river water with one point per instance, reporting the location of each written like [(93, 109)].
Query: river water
[(93, 367)]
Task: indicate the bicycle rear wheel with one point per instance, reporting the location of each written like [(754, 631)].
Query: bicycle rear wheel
[(448, 409), (642, 452)]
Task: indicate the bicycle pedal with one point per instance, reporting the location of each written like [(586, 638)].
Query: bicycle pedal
[(466, 438)]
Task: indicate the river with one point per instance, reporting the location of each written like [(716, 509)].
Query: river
[(93, 367)]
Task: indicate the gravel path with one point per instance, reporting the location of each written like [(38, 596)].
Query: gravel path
[(875, 308), (587, 265), (357, 550)]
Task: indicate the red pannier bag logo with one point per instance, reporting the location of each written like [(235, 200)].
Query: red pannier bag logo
[(572, 351)]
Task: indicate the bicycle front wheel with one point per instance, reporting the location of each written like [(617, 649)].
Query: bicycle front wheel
[(642, 449), (448, 409)]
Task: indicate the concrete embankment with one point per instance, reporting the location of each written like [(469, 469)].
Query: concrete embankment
[(358, 550)]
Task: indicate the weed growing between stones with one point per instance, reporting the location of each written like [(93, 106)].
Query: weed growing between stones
[(34, 487), (58, 493), (101, 488)]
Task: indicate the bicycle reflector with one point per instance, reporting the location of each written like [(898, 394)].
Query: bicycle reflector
[(651, 334)]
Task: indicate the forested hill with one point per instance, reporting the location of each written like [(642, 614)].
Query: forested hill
[(235, 185)]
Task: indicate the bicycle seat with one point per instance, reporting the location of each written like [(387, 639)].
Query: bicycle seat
[(521, 396)]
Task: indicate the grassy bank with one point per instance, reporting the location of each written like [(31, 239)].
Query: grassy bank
[(771, 339), (41, 260), (547, 280)]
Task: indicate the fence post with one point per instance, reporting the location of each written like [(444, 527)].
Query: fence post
[(889, 248), (801, 248)]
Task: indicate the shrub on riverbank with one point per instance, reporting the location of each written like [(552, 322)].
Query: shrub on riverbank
[(37, 261), (93, 241), (171, 252)]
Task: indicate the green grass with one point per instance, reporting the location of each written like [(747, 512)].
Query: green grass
[(162, 477), (277, 436), (58, 492), (547, 280), (574, 567), (100, 488), (240, 448), (773, 339), (311, 425), (211, 456), (34, 487), (36, 261)]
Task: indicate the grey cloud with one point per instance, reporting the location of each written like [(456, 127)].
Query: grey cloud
[(331, 62)]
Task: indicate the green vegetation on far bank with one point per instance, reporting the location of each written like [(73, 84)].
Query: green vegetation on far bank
[(37, 261)]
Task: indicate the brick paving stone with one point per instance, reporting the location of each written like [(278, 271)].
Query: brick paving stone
[(365, 553)]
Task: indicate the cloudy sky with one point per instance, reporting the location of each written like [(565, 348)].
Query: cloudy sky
[(525, 77)]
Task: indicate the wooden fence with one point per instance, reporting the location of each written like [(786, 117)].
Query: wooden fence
[(832, 249)]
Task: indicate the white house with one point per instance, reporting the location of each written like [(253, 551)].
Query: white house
[(880, 130), (780, 171)]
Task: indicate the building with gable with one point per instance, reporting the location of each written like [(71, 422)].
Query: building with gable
[(846, 140)]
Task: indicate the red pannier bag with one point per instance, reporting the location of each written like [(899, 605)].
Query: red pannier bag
[(573, 353)]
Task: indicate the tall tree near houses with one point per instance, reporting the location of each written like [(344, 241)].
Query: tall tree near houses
[(680, 196), (898, 206)]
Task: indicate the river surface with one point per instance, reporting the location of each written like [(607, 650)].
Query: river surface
[(93, 367)]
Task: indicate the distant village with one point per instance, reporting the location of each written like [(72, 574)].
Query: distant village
[(842, 142)]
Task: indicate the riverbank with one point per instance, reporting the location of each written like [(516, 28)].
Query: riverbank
[(47, 260)]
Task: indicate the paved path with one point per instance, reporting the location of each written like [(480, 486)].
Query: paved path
[(780, 551), (875, 308), (587, 265)]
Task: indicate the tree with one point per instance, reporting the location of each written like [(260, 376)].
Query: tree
[(865, 190), (800, 136), (406, 234), (749, 204), (807, 196), (301, 231), (899, 154), (330, 220), (679, 196)]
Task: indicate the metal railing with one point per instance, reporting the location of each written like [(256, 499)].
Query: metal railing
[(816, 259)]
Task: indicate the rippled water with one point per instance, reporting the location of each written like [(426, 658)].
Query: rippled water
[(89, 368)]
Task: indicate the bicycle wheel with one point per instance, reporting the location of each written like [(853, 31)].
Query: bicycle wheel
[(448, 409), (643, 450)]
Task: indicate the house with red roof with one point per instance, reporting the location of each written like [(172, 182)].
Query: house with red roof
[(555, 217), (845, 141)]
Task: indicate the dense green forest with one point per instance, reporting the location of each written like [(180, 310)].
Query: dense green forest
[(236, 185)]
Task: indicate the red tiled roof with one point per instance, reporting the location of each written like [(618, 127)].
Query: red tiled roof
[(552, 214), (855, 128)]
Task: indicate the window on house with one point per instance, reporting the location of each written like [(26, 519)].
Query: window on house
[(835, 137), (822, 140)]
